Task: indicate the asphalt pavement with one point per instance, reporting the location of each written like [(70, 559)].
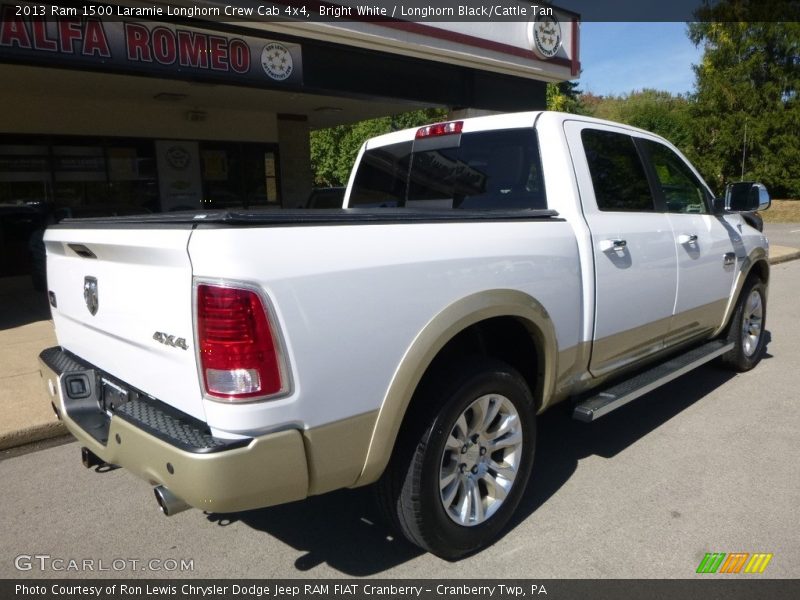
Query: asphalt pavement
[(708, 463), (783, 234)]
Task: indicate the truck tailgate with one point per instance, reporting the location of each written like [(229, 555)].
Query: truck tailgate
[(120, 293)]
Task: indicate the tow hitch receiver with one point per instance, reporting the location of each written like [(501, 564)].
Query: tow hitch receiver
[(90, 459)]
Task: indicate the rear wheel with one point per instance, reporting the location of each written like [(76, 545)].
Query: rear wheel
[(460, 469), (747, 327)]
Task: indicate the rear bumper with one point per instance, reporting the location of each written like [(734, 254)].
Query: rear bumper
[(166, 447)]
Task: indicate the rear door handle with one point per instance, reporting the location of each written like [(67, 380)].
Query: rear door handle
[(728, 258), (616, 244), (687, 238)]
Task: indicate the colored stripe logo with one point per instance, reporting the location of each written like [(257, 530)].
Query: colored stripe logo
[(736, 562)]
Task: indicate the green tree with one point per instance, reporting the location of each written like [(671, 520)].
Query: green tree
[(334, 150), (747, 85), (658, 111), (564, 97)]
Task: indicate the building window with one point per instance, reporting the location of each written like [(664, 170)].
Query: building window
[(237, 175), (25, 174), (132, 177), (88, 177)]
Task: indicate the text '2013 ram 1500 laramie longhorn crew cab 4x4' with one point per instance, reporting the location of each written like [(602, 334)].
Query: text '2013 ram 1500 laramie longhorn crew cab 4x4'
[(482, 271)]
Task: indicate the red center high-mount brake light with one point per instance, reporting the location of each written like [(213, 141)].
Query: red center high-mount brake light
[(438, 129), (239, 355)]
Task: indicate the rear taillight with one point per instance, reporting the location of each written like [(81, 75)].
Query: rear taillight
[(239, 354), (437, 129)]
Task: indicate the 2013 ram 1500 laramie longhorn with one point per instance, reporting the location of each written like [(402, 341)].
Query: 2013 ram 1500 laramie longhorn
[(481, 271)]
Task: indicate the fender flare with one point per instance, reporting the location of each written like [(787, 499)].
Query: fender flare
[(757, 257), (442, 328)]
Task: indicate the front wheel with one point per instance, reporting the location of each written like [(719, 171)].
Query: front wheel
[(747, 328), (458, 475)]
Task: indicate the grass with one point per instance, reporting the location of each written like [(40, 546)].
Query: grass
[(782, 211)]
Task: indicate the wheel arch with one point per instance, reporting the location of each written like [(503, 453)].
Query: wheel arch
[(474, 315), (757, 263)]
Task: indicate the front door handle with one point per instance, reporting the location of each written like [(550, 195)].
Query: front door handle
[(616, 244), (687, 238)]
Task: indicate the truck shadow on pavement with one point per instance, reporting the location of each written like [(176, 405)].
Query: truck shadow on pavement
[(345, 531), (563, 441)]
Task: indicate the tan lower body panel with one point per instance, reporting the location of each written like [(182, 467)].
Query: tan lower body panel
[(270, 470), (273, 469), (336, 452), (614, 352), (695, 322)]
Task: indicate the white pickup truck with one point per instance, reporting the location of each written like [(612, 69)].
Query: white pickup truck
[(482, 271)]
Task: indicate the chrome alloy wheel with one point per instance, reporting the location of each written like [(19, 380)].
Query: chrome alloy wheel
[(752, 321), (480, 460)]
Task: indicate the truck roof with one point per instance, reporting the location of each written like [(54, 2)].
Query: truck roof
[(500, 121), (472, 124)]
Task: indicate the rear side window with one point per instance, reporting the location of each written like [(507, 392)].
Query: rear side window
[(382, 176), (479, 171), (618, 176)]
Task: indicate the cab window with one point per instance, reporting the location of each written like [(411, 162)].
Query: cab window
[(618, 176), (681, 190), (488, 170)]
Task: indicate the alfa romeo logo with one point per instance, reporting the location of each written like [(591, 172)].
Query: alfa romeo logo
[(545, 36), (277, 61)]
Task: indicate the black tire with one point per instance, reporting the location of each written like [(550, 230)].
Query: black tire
[(409, 491), (746, 352)]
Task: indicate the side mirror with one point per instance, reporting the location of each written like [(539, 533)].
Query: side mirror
[(746, 196)]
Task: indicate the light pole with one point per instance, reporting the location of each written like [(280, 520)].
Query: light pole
[(744, 149)]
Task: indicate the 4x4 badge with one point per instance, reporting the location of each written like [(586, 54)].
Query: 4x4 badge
[(90, 294), (170, 340)]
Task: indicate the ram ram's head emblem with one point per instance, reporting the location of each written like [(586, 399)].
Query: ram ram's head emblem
[(90, 294)]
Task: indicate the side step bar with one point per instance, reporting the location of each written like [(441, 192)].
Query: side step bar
[(619, 395)]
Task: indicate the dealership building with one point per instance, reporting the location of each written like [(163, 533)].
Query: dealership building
[(192, 106)]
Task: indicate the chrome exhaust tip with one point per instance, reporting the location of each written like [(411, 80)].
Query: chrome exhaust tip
[(168, 502)]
